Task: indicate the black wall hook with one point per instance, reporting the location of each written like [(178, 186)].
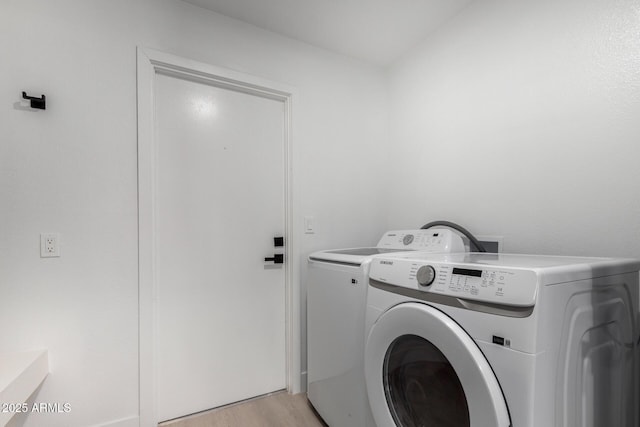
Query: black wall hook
[(39, 103)]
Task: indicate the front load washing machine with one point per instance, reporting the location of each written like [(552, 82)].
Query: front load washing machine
[(336, 297), (478, 340)]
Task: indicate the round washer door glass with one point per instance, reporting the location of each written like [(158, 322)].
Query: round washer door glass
[(421, 386), (423, 369)]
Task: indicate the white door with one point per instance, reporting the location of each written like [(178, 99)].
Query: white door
[(219, 204), (423, 369)]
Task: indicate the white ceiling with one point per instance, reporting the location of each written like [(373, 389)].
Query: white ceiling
[(378, 31)]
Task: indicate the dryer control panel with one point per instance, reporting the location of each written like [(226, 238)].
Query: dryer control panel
[(431, 240), (493, 284)]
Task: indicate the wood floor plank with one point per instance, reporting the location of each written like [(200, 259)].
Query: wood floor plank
[(276, 410)]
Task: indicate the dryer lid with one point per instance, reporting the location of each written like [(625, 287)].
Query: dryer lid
[(432, 240)]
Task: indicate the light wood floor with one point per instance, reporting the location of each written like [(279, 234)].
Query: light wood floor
[(276, 410)]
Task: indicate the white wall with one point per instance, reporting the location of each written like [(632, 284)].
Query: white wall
[(72, 169), (517, 119), (521, 118)]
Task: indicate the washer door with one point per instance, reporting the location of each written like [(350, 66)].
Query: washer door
[(423, 369)]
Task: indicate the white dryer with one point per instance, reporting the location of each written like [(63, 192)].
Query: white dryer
[(336, 299), (478, 340)]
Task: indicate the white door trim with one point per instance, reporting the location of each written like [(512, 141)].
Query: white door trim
[(150, 62)]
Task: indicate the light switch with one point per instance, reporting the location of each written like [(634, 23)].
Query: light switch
[(309, 225)]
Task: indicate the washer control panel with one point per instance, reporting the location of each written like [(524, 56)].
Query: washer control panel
[(431, 240), (499, 285)]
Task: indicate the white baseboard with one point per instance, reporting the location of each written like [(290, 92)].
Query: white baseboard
[(123, 422), (303, 382)]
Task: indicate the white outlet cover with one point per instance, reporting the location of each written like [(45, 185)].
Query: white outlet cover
[(49, 245)]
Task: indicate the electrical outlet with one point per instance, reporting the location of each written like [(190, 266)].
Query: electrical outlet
[(492, 243), (49, 245)]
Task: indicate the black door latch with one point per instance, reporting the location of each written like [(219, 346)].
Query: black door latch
[(277, 259)]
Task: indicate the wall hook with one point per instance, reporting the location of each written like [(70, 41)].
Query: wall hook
[(39, 103)]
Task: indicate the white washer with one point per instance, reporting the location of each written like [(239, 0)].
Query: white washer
[(336, 298), (502, 340)]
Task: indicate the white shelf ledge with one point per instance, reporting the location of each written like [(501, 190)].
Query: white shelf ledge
[(20, 376)]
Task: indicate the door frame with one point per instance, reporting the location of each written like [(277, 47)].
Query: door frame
[(149, 63)]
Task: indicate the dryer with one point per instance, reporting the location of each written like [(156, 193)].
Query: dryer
[(476, 340), (336, 298)]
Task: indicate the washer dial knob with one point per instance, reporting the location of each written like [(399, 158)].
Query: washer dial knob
[(407, 239), (426, 275)]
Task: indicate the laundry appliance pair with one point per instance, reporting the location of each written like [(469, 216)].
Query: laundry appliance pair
[(475, 340)]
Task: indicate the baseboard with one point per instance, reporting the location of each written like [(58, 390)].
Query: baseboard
[(123, 422), (303, 382)]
